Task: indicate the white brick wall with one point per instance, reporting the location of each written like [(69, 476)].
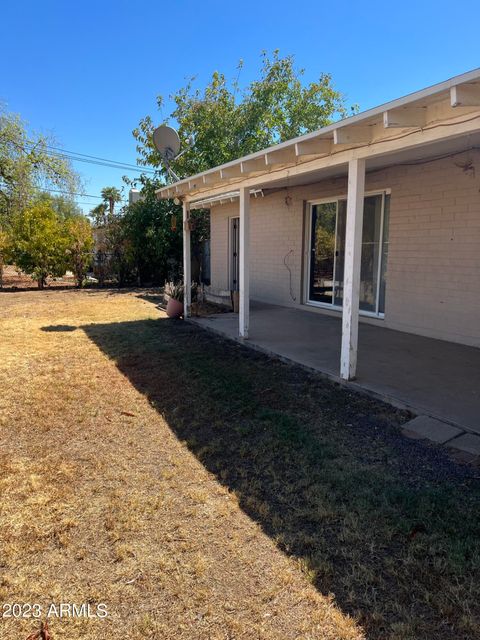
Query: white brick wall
[(433, 272)]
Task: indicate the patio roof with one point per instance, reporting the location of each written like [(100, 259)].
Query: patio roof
[(436, 122), (438, 117)]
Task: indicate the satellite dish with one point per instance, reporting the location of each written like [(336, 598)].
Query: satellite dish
[(166, 142)]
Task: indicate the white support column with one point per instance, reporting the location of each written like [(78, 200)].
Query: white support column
[(187, 262), (351, 277), (244, 294)]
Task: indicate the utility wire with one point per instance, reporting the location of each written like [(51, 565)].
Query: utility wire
[(79, 195), (86, 155), (100, 163), (83, 157), (71, 193), (111, 164)]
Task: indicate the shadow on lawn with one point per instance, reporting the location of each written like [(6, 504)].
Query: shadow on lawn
[(52, 328), (388, 525)]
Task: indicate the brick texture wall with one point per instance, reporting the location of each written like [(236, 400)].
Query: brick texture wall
[(433, 271)]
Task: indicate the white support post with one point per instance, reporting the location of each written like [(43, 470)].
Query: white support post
[(244, 294), (351, 278), (187, 262)]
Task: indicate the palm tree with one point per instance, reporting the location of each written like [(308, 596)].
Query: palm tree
[(98, 214), (111, 195)]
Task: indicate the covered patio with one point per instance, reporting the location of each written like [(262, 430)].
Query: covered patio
[(349, 236), (432, 377)]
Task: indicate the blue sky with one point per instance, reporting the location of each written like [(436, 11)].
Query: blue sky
[(88, 71)]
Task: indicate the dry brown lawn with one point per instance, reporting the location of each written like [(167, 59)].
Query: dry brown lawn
[(203, 491), (101, 502)]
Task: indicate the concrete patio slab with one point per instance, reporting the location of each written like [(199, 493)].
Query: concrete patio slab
[(431, 377), (467, 442), (432, 429)]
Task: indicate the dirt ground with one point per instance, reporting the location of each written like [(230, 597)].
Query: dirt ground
[(201, 491), (13, 279)]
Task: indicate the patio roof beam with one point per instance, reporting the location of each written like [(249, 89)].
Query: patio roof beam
[(234, 171), (352, 135), (253, 165), (230, 196), (169, 193), (465, 95), (280, 156), (212, 178), (180, 189), (409, 117), (318, 147)]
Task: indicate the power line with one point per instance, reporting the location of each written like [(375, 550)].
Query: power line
[(86, 155), (71, 193), (79, 195), (57, 152), (82, 157), (101, 163), (74, 155), (111, 164)]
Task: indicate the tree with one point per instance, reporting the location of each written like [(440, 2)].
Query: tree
[(119, 251), (27, 165), (64, 206), (5, 245), (39, 243), (78, 246), (99, 214), (111, 195), (154, 230), (216, 125), (111, 256), (223, 122)]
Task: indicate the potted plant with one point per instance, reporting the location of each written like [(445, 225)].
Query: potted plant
[(174, 291)]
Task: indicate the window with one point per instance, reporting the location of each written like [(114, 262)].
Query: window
[(327, 253)]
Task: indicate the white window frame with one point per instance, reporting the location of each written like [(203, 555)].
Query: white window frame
[(308, 246)]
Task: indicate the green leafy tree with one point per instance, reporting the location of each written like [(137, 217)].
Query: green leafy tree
[(120, 252), (223, 122), (78, 246), (154, 230), (111, 247), (99, 214), (27, 165), (39, 244), (216, 125), (64, 206), (101, 258)]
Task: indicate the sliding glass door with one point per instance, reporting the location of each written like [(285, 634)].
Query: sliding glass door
[(327, 253)]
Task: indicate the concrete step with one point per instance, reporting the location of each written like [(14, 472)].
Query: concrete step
[(431, 429)]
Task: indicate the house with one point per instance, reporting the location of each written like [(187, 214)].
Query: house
[(374, 219)]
